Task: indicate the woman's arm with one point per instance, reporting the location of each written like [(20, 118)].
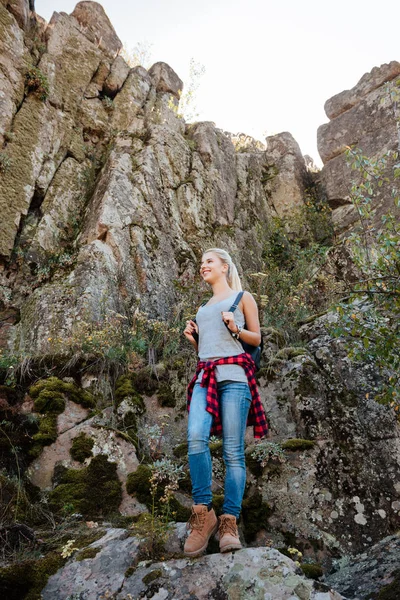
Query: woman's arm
[(252, 334)]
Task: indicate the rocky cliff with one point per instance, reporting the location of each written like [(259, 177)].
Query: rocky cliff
[(108, 199), (102, 178), (365, 117)]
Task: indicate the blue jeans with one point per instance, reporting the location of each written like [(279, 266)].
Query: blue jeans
[(234, 403)]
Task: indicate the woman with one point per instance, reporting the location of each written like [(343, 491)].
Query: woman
[(222, 397)]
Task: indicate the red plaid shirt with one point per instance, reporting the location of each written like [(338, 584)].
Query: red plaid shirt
[(256, 416)]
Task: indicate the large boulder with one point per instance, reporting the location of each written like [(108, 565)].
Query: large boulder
[(114, 569), (286, 174), (343, 470), (363, 117), (372, 575), (96, 26)]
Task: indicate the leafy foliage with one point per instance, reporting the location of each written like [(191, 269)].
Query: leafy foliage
[(291, 284), (36, 82), (370, 319)]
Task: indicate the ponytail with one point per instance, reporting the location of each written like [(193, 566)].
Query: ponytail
[(232, 276)]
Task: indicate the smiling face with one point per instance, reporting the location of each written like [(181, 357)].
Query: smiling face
[(212, 268)]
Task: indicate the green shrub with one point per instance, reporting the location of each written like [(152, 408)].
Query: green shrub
[(369, 320), (36, 83)]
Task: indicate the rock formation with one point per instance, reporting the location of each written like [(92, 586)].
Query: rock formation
[(108, 199), (103, 177), (364, 117), (254, 572)]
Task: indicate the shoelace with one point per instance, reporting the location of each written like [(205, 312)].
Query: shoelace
[(196, 520), (228, 526)]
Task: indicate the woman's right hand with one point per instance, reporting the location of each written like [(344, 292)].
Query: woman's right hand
[(190, 328)]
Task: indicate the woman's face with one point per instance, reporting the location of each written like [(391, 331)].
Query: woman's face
[(212, 267)]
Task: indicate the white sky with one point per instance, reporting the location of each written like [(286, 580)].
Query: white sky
[(270, 65)]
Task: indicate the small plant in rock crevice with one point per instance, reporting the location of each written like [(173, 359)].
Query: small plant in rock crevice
[(264, 451), (37, 83), (155, 484)]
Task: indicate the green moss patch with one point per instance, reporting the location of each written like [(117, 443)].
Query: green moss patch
[(138, 485), (124, 388), (181, 450), (25, 580), (217, 502), (92, 491), (53, 384), (49, 402), (298, 444), (152, 576), (312, 571), (81, 447), (46, 435), (255, 514), (88, 553)]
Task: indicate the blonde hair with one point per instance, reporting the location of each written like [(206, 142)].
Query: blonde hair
[(232, 276)]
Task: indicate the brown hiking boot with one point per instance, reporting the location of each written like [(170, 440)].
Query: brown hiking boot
[(203, 523), (228, 534)]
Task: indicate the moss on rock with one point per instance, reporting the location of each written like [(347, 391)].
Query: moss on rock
[(181, 450), (151, 576), (312, 571), (53, 384), (87, 553), (92, 491), (144, 381), (25, 580), (81, 447), (46, 435), (216, 448), (217, 502), (124, 388), (138, 484), (298, 444), (49, 401)]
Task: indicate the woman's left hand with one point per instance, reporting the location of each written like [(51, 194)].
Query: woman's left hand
[(229, 319)]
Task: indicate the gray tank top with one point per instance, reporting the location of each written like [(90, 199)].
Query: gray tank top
[(215, 341)]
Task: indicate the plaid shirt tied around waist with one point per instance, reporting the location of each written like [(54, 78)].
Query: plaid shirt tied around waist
[(256, 416)]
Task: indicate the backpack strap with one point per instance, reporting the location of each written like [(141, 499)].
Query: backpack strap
[(234, 307), (236, 303)]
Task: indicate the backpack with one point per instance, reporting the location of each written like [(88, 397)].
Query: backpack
[(254, 351)]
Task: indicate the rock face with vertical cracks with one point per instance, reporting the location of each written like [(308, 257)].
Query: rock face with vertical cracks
[(102, 175), (363, 117)]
